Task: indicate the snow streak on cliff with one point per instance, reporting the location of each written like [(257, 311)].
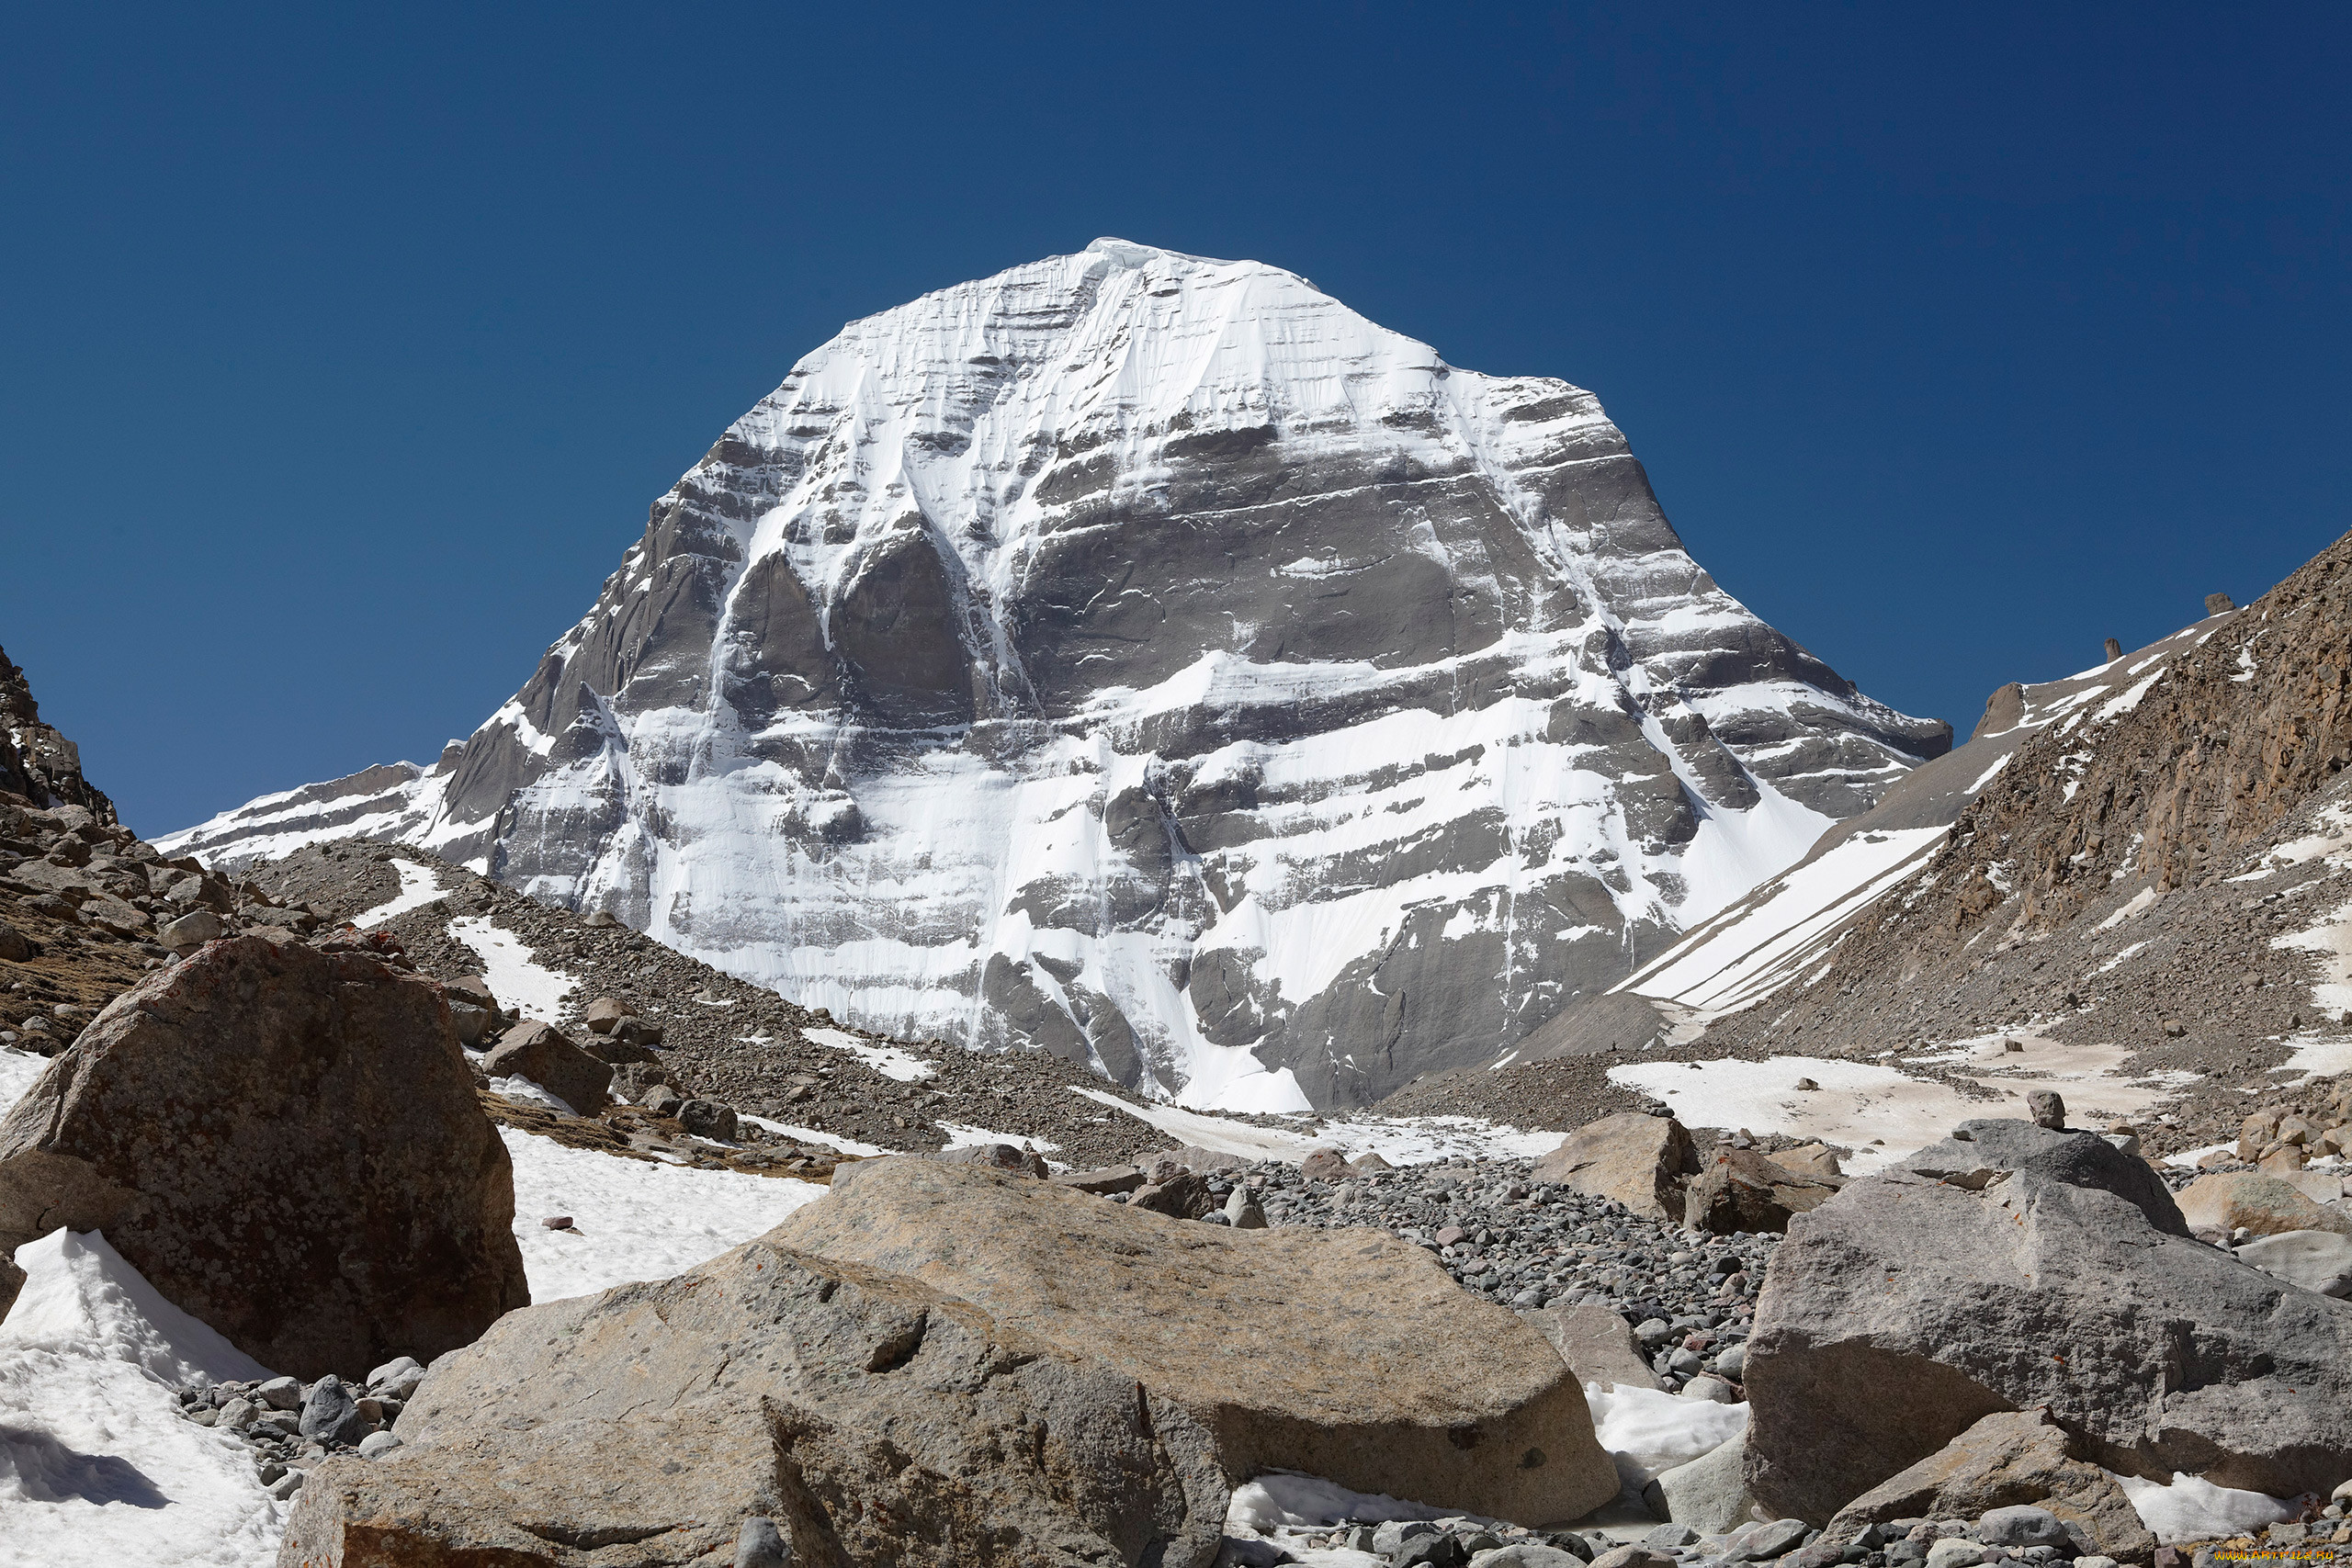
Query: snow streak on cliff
[(1150, 659)]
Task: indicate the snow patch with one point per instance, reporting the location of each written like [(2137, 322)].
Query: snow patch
[(632, 1219), (420, 885), (1876, 1109), (96, 1464), (18, 1071), (888, 1060), (1400, 1140), (1648, 1430), (812, 1136), (530, 988), (2192, 1508)]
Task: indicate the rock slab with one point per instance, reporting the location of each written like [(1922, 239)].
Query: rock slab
[(1898, 1315), (286, 1143), (1300, 1349), (2004, 1460), (874, 1422)]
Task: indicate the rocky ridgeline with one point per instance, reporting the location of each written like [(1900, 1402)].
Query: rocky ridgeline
[(734, 1043), (292, 1424), (2120, 882)]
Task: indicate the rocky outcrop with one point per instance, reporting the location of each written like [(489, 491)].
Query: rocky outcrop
[(877, 1422), (1639, 1161), (1909, 1308), (1981, 1147), (1145, 614), (2114, 880), (2004, 1460), (1299, 1350), (36, 761), (286, 1143), (1741, 1189)]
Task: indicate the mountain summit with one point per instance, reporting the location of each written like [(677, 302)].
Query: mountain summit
[(1150, 659)]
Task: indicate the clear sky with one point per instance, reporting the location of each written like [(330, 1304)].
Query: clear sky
[(344, 348)]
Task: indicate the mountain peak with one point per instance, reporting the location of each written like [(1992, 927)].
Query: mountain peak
[(1150, 659)]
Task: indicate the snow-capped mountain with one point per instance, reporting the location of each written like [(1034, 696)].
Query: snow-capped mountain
[(1147, 658)]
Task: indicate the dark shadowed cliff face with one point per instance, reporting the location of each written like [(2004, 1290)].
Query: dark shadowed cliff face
[(1150, 659), (36, 761)]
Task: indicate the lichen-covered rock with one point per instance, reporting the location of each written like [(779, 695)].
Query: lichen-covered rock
[(879, 1423), (286, 1143), (1347, 1354)]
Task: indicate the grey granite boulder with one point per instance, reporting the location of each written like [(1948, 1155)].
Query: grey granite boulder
[(2078, 1160), (2006, 1461), (1898, 1315), (1639, 1161), (877, 1423), (2316, 1260)]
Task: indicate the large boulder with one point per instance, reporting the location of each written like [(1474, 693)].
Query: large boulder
[(879, 1423), (2265, 1205), (1639, 1161), (1910, 1307), (2006, 1460), (1301, 1349), (546, 1056), (1739, 1190), (2078, 1160), (286, 1143), (2317, 1260)]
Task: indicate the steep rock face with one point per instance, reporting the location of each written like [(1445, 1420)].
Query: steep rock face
[(36, 761), (1149, 659)]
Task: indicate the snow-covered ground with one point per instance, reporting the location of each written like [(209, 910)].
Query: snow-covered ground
[(514, 978), (632, 1219), (1400, 1140), (1773, 936), (17, 1070), (1884, 1111), (419, 886), (97, 1469)]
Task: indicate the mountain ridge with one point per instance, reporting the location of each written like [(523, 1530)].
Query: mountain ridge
[(1147, 658)]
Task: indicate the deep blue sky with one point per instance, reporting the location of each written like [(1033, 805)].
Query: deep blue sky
[(342, 354)]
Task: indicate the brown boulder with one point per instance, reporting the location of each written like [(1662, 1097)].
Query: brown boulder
[(604, 1012), (1740, 1189), (1000, 1156), (1639, 1161), (880, 1423), (1324, 1165), (287, 1145), (2011, 1457), (1301, 1349), (542, 1053), (2264, 1204), (472, 989)]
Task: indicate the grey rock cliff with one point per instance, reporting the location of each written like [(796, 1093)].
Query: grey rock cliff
[(1147, 659)]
